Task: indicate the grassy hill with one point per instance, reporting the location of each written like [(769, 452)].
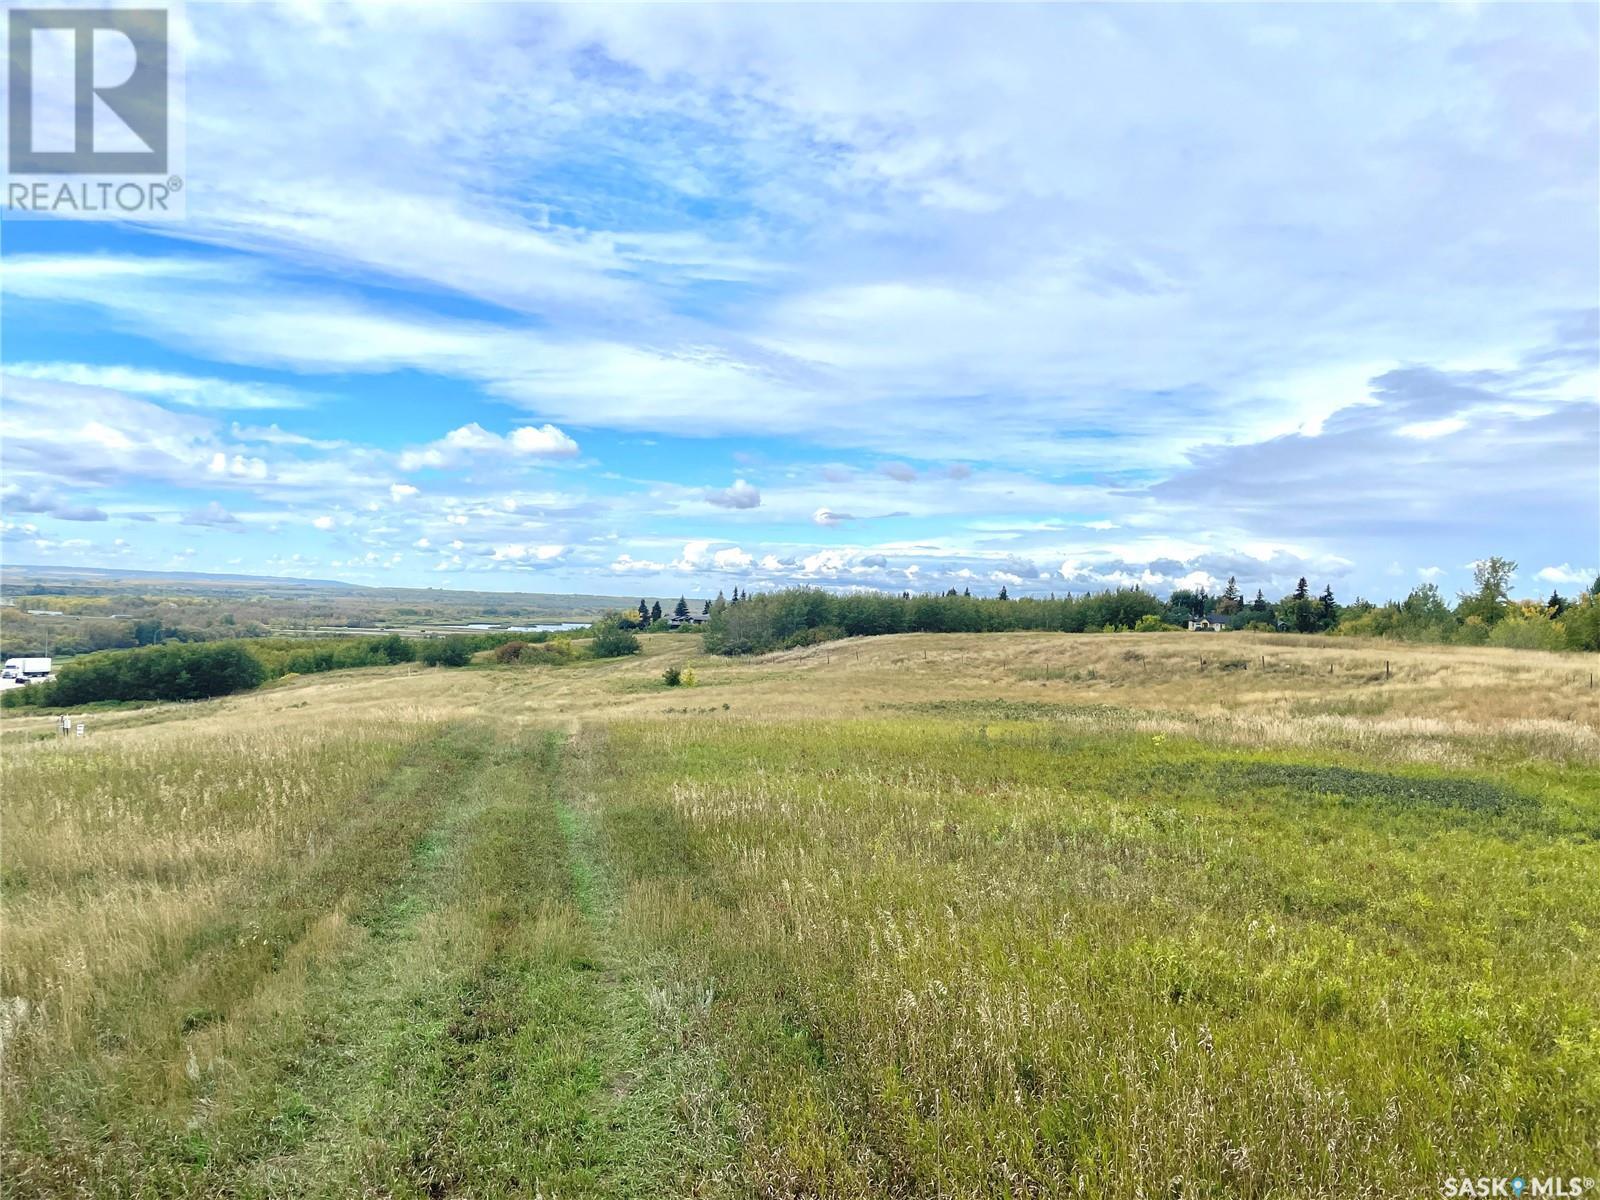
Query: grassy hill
[(1017, 914)]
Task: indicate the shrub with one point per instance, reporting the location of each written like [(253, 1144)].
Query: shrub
[(394, 649), (1520, 634), (672, 676), (612, 640), (1151, 623), (510, 652), (1580, 624), (687, 677), (559, 650), (453, 651)]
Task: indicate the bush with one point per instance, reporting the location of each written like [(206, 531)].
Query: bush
[(510, 652), (561, 650), (1580, 624), (687, 677), (672, 676), (612, 640), (1520, 634), (453, 651), (1151, 623)]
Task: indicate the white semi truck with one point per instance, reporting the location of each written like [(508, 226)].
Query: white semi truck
[(25, 670)]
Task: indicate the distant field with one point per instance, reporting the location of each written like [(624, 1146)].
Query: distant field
[(930, 915)]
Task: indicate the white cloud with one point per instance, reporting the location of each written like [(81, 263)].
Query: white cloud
[(521, 553), (403, 491), (739, 495), (186, 391), (239, 466), (212, 514), (473, 442), (1428, 430), (1567, 573)]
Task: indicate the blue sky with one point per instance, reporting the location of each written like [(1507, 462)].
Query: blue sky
[(660, 299)]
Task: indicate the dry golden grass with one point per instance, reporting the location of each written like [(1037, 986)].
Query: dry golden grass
[(1234, 688)]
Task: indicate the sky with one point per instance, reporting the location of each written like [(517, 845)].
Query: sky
[(662, 299)]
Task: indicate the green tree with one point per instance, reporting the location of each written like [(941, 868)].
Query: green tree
[(1259, 604), (1301, 590), (1491, 585), (644, 612), (1231, 601), (682, 609), (655, 612), (1188, 602), (612, 640)]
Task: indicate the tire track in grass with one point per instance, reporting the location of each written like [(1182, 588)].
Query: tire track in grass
[(672, 1136), (115, 1124), (487, 1040)]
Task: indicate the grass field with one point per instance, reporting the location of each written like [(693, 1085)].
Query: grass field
[(1000, 915)]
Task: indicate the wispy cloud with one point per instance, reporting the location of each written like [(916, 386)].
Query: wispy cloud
[(995, 317)]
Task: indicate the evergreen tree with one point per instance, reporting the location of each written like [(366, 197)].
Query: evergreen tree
[(1231, 601), (966, 592), (1556, 605), (706, 611), (1259, 604), (1301, 590), (655, 612), (1327, 609), (720, 603), (644, 613), (683, 608)]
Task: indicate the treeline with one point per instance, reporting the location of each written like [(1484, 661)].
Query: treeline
[(175, 672), (803, 616), (1485, 615), (198, 671)]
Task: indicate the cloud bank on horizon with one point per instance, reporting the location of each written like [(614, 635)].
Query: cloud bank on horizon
[(664, 299)]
